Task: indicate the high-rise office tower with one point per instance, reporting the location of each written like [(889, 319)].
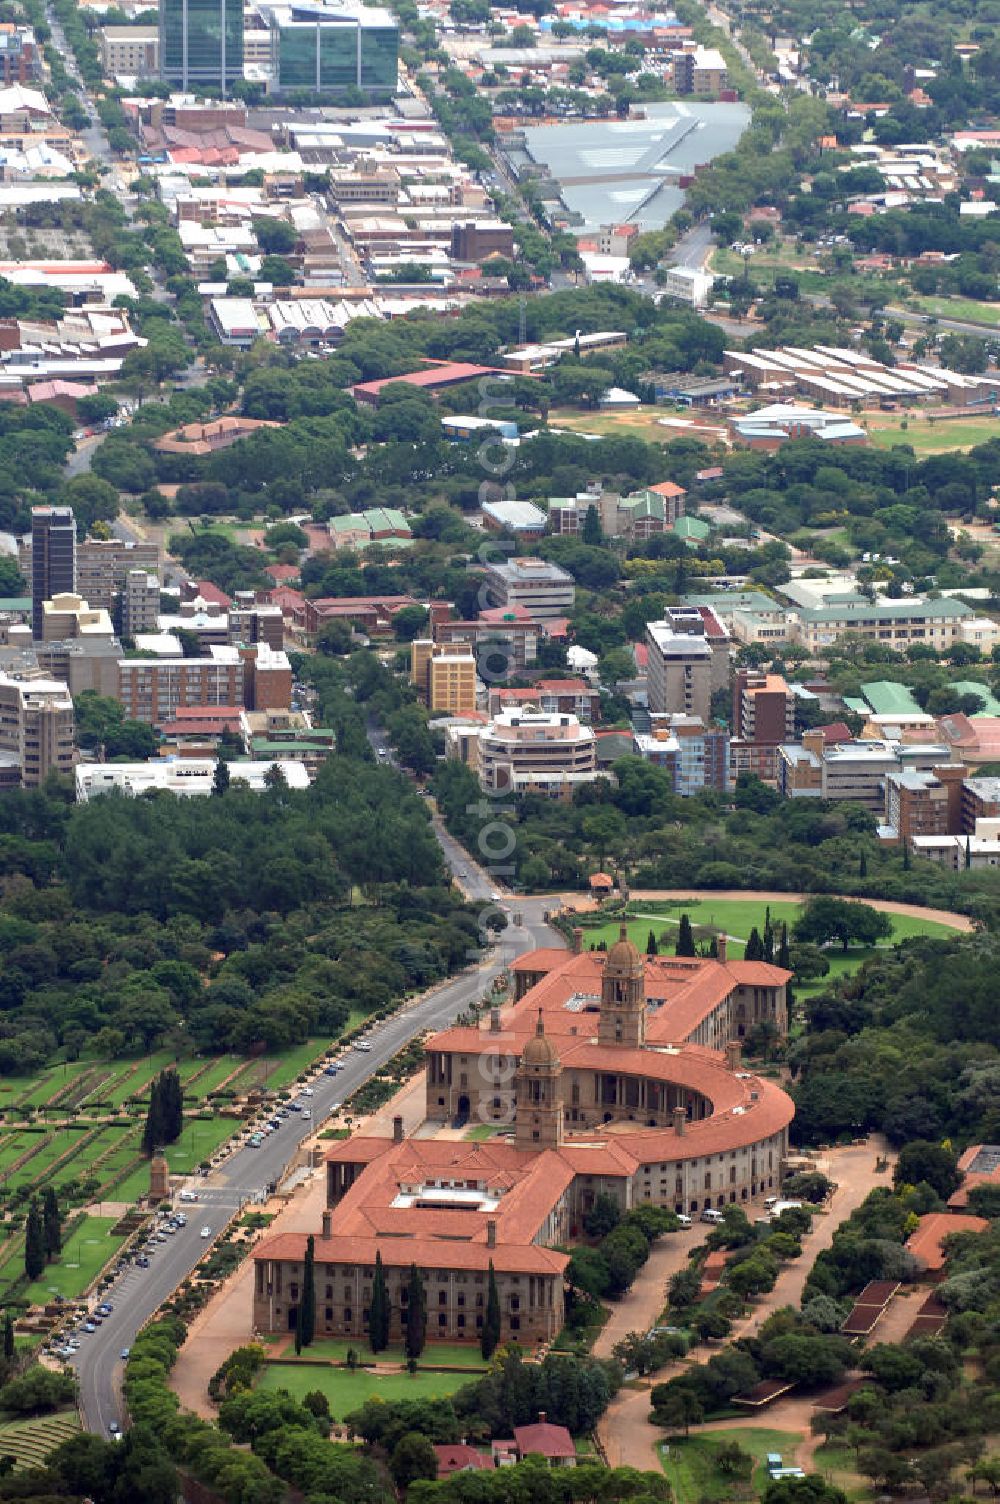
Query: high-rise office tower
[(201, 44), (53, 559)]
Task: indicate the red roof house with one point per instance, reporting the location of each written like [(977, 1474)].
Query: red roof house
[(459, 1457)]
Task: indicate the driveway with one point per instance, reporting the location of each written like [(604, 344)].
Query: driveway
[(624, 1431)]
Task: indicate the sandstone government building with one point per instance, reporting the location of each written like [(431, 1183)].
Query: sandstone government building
[(612, 1074)]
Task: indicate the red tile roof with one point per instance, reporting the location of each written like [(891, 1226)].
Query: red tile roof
[(459, 1457), (667, 488), (926, 1242), (442, 373), (544, 1440), (213, 594)]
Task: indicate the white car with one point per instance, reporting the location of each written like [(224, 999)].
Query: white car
[(206, 1231), (683, 1219)]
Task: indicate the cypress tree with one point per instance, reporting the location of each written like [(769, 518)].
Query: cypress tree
[(306, 1319), (768, 941), (378, 1311), (416, 1315), (783, 957), (754, 950), (51, 1222), (152, 1134), (906, 856), (685, 938), (8, 1336), (220, 778), (863, 864), (171, 1105), (34, 1243), (968, 853), (491, 1321), (652, 949)]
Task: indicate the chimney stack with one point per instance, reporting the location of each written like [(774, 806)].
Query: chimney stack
[(734, 1052), (680, 1118), (577, 945), (397, 1129), (327, 1221), (720, 947), (542, 1417), (494, 1020), (491, 1232)]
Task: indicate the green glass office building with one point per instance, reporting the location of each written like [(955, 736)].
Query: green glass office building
[(327, 49), (201, 44)]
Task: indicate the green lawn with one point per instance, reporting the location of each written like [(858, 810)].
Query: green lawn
[(838, 1464), (927, 437), (961, 308), (87, 1250), (736, 917), (449, 1354), (688, 1461), (346, 1391)]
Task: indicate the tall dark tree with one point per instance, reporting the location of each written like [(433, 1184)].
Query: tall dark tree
[(754, 950), (591, 533), (307, 1304), (768, 940), (171, 1105), (378, 1311), (152, 1134), (783, 957), (685, 938), (652, 949), (34, 1242), (220, 778), (491, 1321), (51, 1222), (416, 1315), (8, 1336)]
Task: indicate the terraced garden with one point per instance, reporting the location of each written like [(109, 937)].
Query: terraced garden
[(77, 1127), (29, 1442)]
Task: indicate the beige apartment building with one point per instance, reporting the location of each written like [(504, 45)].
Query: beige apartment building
[(524, 750), (444, 675), (140, 601), (133, 51), (154, 689), (543, 589), (36, 731), (69, 616), (101, 566), (679, 672)]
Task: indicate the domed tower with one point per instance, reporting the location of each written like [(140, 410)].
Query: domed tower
[(537, 1094), (623, 995)]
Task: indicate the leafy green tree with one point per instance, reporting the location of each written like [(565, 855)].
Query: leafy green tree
[(603, 1217), (490, 1337), (922, 1161), (676, 1408), (685, 938), (824, 919), (411, 1458), (591, 533), (34, 1242), (378, 1310), (416, 1314)]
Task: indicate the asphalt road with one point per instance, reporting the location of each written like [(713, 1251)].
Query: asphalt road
[(138, 1293)]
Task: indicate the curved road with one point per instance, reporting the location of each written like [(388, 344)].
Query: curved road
[(138, 1293)]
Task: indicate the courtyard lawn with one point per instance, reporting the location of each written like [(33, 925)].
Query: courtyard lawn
[(87, 1249), (446, 1354), (347, 1391), (642, 421), (689, 1461), (736, 918)]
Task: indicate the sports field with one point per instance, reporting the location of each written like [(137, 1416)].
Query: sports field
[(930, 435)]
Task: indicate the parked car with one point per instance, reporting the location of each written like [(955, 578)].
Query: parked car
[(206, 1231), (711, 1215), (683, 1219)]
